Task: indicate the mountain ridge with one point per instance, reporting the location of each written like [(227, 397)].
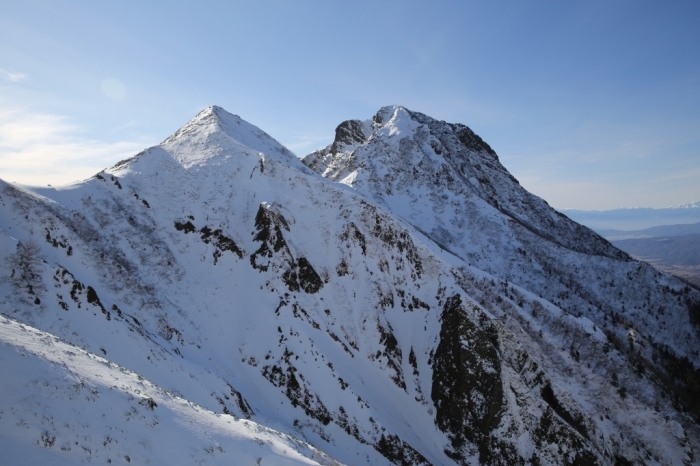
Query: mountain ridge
[(253, 287), (473, 162)]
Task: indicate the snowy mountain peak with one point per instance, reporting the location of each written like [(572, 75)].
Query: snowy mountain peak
[(221, 131), (433, 174), (691, 205), (211, 138), (390, 112), (400, 118)]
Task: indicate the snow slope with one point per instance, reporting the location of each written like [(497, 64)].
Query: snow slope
[(64, 405), (448, 183), (228, 274)]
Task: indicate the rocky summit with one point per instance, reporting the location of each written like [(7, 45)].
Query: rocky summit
[(396, 298)]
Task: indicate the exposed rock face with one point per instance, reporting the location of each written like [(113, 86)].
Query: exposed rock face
[(440, 315), (348, 133), (467, 387)]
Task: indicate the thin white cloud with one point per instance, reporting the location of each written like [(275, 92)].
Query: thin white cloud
[(41, 148), (302, 145), (12, 76)]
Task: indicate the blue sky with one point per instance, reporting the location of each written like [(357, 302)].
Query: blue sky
[(591, 105)]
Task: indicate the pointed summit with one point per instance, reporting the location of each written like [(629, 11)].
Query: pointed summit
[(211, 138), (214, 130)]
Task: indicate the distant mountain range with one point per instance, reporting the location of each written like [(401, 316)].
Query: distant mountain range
[(653, 232), (635, 218)]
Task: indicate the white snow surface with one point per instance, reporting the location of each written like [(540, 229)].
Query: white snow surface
[(448, 184), (223, 279), (64, 405)]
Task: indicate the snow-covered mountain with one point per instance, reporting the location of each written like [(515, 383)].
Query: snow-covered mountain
[(413, 305), (446, 182), (64, 405)]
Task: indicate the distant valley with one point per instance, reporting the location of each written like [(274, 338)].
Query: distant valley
[(673, 249)]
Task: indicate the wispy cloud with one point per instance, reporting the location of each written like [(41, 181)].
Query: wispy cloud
[(12, 76), (42, 148), (305, 144)]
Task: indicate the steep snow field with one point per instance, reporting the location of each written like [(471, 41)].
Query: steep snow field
[(63, 405)]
